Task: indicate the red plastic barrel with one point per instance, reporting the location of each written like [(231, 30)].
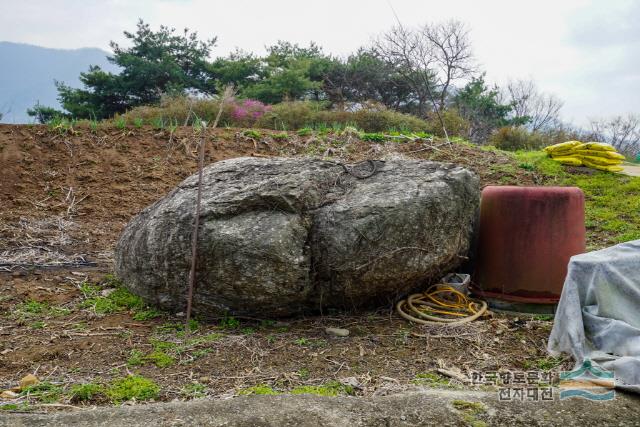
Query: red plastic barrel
[(526, 237)]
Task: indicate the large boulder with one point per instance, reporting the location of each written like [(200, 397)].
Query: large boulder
[(282, 236)]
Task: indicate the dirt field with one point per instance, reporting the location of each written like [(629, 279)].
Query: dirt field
[(66, 194)]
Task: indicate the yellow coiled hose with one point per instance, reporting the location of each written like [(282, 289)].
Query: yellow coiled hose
[(441, 300)]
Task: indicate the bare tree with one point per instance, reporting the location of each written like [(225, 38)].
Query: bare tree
[(404, 50), (430, 58), (541, 109), (452, 54), (623, 132)]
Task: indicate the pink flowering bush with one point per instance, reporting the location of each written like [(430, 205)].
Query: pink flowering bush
[(246, 112)]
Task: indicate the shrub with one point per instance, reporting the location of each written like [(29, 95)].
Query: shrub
[(245, 113), (179, 110), (44, 114), (455, 124), (283, 116), (290, 115), (517, 138)]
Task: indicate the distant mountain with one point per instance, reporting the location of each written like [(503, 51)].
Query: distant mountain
[(27, 75)]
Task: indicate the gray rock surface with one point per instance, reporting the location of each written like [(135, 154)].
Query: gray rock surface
[(281, 236), (427, 408)]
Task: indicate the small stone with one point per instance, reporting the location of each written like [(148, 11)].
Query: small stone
[(337, 332), (28, 380), (8, 394), (107, 292), (350, 381)]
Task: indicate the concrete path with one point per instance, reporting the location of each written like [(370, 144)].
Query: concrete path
[(630, 169), (424, 408)]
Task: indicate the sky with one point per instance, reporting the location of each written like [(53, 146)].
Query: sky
[(587, 52)]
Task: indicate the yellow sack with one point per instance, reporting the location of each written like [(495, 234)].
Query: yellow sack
[(570, 161), (563, 153), (604, 161), (562, 146), (596, 153), (599, 146), (610, 168)]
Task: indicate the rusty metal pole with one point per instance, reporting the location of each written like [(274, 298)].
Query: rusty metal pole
[(226, 96), (196, 226)]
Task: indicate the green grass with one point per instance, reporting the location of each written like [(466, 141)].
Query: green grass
[(160, 359), (136, 358), (252, 133), (303, 373), (282, 136), (22, 407), (86, 392), (117, 301), (133, 387), (194, 390), (612, 201), (205, 339), (464, 405), (89, 290), (470, 410), (157, 357), (229, 322), (432, 379), (31, 309), (149, 314), (178, 328), (332, 388), (373, 137), (120, 123), (306, 131), (38, 325), (260, 389), (544, 363), (44, 392)]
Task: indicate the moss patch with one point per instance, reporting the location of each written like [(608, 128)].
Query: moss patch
[(133, 387), (260, 389), (332, 388)]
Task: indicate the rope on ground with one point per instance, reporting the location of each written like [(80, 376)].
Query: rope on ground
[(441, 304), (352, 170)]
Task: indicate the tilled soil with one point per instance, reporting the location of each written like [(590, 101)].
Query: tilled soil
[(66, 194)]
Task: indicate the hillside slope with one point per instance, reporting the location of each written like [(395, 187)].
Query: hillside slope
[(66, 192), (114, 173)]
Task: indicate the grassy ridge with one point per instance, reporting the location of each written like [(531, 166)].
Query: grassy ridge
[(612, 200)]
